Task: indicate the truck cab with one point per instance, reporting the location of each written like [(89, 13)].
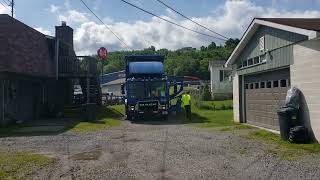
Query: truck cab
[(146, 89)]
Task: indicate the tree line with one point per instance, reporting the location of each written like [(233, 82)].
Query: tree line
[(186, 61)]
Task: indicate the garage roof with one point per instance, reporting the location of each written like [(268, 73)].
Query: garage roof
[(306, 26)]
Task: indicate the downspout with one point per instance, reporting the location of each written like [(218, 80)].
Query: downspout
[(57, 58)]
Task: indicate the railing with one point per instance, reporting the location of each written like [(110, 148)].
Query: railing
[(77, 65)]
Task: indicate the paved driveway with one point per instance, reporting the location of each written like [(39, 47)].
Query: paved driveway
[(148, 150)]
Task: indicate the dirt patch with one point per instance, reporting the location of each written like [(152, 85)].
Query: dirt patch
[(88, 156)]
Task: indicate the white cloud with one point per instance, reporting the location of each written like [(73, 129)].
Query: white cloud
[(232, 20), (5, 9), (73, 16), (44, 31), (54, 8)]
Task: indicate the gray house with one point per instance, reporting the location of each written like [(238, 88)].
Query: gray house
[(273, 55)]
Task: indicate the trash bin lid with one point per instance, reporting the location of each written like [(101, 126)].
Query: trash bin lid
[(285, 109)]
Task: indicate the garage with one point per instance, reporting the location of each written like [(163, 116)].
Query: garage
[(264, 94)]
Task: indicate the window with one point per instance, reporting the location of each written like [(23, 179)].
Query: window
[(246, 86), (221, 75), (256, 60), (275, 84), (262, 84), (269, 84), (263, 58), (256, 85), (250, 62), (283, 83), (239, 65), (251, 85), (244, 63), (261, 43)]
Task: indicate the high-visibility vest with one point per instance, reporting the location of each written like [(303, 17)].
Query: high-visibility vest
[(186, 99)]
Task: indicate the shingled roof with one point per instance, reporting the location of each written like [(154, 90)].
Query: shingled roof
[(24, 50), (303, 23)]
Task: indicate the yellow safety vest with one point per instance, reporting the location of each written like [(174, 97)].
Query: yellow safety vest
[(186, 99)]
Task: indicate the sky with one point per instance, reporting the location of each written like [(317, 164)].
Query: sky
[(140, 30)]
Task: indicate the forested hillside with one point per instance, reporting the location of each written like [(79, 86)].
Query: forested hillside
[(187, 61)]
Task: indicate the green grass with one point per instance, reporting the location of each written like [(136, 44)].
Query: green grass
[(237, 126), (107, 117), (20, 165), (284, 149), (211, 119), (216, 105)]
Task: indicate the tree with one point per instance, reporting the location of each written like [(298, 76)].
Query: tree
[(206, 96), (212, 46), (202, 48), (232, 43)]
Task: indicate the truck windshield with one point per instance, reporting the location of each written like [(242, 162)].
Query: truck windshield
[(136, 90), (156, 89)]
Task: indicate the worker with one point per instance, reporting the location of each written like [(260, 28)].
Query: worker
[(186, 101)]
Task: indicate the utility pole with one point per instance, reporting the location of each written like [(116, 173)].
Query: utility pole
[(12, 5)]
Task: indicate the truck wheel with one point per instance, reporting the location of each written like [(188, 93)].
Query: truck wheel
[(129, 117)]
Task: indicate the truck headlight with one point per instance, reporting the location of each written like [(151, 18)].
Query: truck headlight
[(132, 108), (164, 107)]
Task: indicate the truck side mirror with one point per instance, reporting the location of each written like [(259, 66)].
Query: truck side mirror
[(122, 89), (175, 88)]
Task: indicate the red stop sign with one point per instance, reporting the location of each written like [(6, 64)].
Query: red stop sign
[(103, 53)]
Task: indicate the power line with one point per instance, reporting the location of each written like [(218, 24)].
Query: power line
[(6, 2), (171, 22), (191, 19), (106, 25), (4, 5)]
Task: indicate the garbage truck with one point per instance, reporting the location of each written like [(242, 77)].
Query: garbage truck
[(147, 88)]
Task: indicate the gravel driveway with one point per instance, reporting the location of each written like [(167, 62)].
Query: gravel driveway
[(148, 150)]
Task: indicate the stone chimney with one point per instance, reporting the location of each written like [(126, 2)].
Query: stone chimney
[(65, 33)]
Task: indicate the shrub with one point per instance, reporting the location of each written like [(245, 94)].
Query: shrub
[(206, 96), (223, 107)]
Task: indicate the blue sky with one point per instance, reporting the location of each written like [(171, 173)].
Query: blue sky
[(140, 30)]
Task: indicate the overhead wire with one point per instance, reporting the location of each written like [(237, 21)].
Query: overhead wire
[(125, 44), (8, 3), (191, 19), (4, 6), (171, 22)]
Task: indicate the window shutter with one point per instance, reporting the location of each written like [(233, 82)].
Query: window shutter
[(261, 43)]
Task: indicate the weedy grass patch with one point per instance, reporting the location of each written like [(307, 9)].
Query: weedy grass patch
[(21, 165), (107, 117), (284, 149)]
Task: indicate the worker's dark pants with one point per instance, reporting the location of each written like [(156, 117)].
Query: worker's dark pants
[(188, 111)]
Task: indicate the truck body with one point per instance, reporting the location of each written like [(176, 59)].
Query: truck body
[(146, 87)]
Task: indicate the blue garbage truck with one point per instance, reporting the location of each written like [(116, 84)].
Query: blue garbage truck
[(147, 88)]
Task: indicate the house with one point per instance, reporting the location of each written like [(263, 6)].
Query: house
[(273, 55), (220, 80), (111, 82), (37, 72)]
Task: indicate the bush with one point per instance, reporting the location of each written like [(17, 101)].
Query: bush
[(223, 107), (206, 96)]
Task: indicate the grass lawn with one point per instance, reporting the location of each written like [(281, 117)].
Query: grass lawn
[(284, 149), (107, 117), (218, 104), (21, 165)]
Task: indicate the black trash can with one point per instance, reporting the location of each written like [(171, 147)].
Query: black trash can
[(285, 115)]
